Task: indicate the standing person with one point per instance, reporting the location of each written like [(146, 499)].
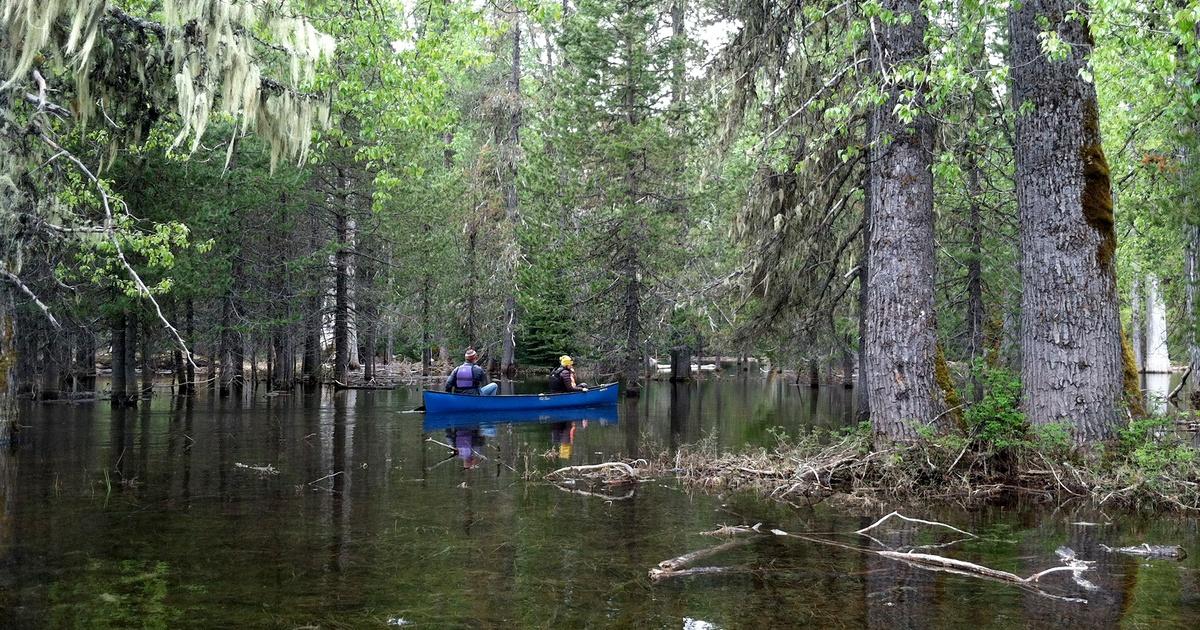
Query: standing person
[(562, 379), (469, 378)]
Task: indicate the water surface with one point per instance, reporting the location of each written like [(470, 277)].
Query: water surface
[(339, 511)]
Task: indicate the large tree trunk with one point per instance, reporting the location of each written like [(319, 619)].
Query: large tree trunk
[(512, 144), (901, 329), (1072, 362)]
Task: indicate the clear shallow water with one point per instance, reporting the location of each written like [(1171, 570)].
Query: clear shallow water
[(156, 517)]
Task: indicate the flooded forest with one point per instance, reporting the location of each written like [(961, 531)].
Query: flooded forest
[(599, 313)]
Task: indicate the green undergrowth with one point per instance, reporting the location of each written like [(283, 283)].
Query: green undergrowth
[(994, 454)]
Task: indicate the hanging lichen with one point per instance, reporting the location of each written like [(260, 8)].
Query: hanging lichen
[(206, 57)]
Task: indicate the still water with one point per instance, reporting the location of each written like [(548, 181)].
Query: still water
[(340, 511)]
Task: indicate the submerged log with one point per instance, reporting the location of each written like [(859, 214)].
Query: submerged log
[(688, 559), (1145, 550)]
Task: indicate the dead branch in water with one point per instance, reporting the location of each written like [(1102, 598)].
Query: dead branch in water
[(926, 561), (623, 471), (912, 520)]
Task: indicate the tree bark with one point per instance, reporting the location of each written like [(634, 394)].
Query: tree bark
[(1072, 363), (901, 329)]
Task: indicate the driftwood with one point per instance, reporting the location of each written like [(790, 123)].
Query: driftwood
[(1146, 550)]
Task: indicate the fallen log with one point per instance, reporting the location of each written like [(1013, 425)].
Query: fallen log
[(688, 559), (1145, 550)]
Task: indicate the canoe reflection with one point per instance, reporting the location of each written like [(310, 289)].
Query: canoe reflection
[(467, 433)]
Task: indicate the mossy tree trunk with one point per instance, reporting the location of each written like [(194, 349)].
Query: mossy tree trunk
[(1071, 365), (901, 330)]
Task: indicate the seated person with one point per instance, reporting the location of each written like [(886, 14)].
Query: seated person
[(562, 379), (467, 378)]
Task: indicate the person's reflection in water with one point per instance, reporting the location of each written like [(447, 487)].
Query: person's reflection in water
[(562, 437), (468, 444)]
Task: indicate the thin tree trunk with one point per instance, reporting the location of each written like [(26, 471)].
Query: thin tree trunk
[(131, 343), (341, 309), (355, 361), (1072, 363), (975, 313), (147, 360), (52, 355), (191, 338), (901, 329), (8, 362), (1193, 277), (1137, 324), (512, 151)]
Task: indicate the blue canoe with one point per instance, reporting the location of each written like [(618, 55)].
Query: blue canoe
[(606, 415), (441, 402)]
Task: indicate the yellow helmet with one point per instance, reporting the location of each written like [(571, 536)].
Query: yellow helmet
[(566, 360)]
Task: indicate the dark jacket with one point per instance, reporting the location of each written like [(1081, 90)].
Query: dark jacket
[(476, 378), (562, 380)]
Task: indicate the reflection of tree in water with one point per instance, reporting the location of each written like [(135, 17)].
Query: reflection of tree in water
[(897, 595), (680, 414)]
